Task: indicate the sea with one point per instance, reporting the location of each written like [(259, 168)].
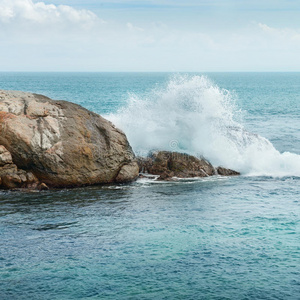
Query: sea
[(195, 238)]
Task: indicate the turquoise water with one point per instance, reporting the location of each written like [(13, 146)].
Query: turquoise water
[(216, 238)]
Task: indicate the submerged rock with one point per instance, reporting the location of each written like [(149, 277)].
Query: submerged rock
[(59, 143), (173, 164)]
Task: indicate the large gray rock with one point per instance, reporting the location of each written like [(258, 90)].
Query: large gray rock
[(61, 143)]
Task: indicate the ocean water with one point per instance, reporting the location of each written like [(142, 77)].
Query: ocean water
[(212, 238)]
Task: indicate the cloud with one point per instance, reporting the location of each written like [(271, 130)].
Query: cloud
[(290, 34), (39, 13), (133, 28), (43, 36)]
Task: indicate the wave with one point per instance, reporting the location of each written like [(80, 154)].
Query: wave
[(191, 114)]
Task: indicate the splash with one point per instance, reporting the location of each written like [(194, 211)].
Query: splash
[(195, 116)]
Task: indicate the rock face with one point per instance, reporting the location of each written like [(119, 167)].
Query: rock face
[(11, 177), (181, 165), (61, 144)]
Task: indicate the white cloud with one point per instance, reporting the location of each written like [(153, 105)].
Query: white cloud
[(39, 13), (39, 36), (281, 33), (133, 28)]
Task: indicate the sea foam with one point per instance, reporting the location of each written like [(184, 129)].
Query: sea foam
[(191, 114)]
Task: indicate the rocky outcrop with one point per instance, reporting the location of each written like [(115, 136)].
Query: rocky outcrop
[(173, 164), (59, 144), (11, 177), (226, 172)]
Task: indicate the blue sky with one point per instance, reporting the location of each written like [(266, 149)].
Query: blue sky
[(149, 35)]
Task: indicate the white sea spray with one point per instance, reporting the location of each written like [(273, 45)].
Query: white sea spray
[(191, 114)]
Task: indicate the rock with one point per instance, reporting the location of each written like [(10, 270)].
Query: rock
[(227, 172), (60, 143), (144, 163), (167, 176), (11, 181), (126, 171), (43, 187), (173, 164), (13, 178), (5, 156)]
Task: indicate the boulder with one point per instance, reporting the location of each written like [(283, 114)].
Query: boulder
[(173, 164), (226, 172), (126, 171), (60, 143)]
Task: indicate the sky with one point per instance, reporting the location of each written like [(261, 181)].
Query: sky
[(150, 35)]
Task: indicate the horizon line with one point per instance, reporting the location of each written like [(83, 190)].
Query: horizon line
[(150, 71)]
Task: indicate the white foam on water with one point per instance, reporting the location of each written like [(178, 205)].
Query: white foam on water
[(193, 115)]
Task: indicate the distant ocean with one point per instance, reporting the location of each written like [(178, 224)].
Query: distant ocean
[(211, 238)]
